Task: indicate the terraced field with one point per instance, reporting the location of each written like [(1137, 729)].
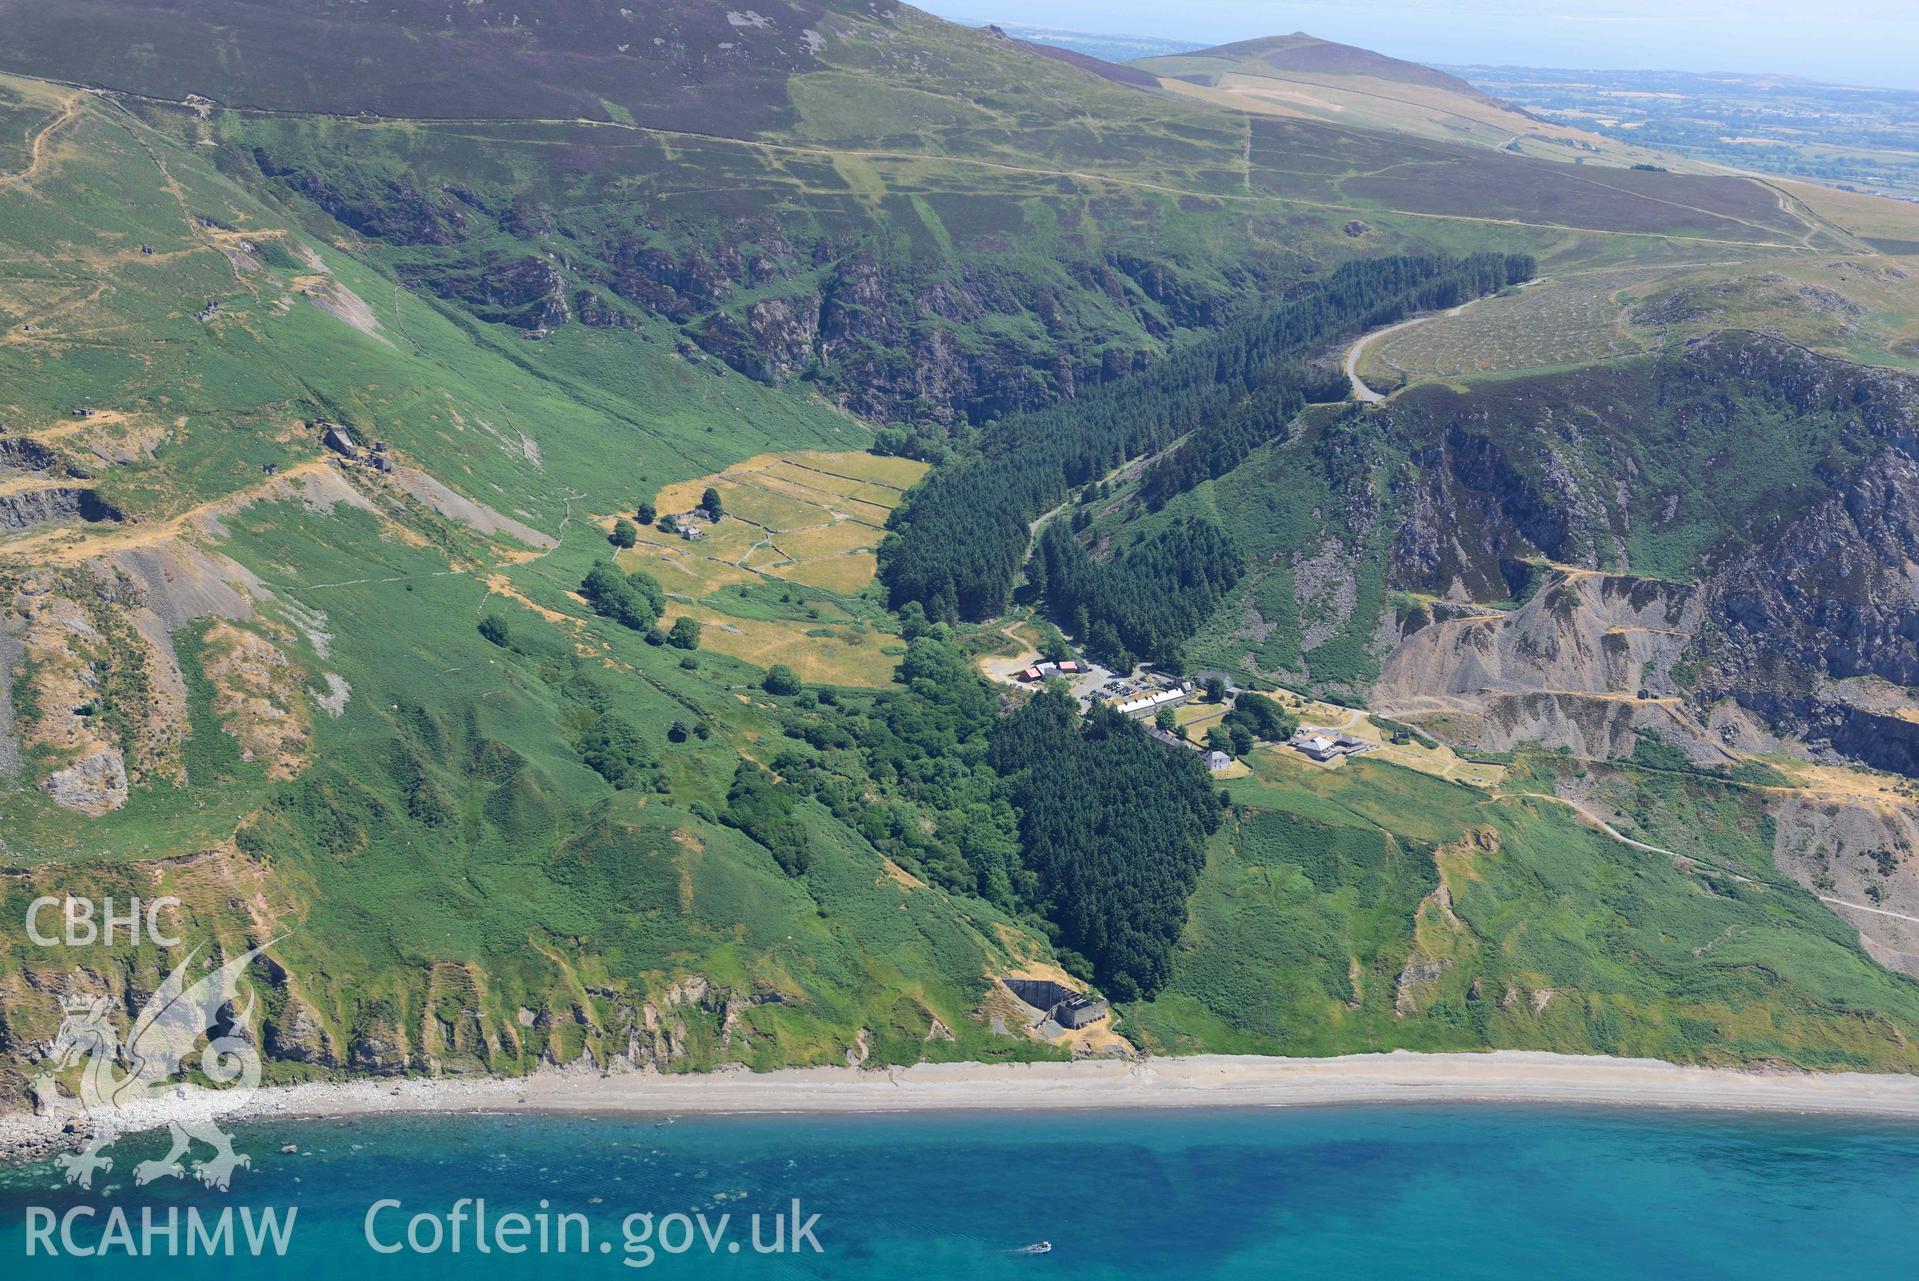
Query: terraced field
[(807, 518)]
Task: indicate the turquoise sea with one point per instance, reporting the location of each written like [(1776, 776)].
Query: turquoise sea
[(1422, 1192)]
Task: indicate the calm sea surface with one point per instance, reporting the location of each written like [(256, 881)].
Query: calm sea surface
[(1336, 1193)]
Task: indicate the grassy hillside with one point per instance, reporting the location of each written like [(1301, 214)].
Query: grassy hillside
[(1400, 911), (395, 705), (546, 59), (318, 742), (1305, 54)]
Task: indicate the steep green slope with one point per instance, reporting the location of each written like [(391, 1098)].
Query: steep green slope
[(1665, 466), (361, 705), (319, 745), (1396, 910)]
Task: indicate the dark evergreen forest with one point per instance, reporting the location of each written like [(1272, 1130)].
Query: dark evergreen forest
[(959, 541)]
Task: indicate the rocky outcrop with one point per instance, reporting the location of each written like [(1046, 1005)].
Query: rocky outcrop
[(379, 1046), (454, 1036), (961, 329), (1478, 515), (1858, 855), (20, 456), (393, 210), (678, 287), (54, 505), (526, 292), (95, 784), (296, 1035), (259, 699), (1584, 633), (1592, 727), (1586, 664), (775, 339), (1802, 561), (99, 702), (596, 312), (1832, 603), (894, 343)]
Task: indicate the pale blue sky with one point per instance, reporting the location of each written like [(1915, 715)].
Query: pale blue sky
[(1846, 41)]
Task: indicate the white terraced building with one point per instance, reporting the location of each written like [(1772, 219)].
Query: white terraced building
[(1146, 704)]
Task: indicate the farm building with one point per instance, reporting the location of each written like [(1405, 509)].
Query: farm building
[(692, 533), (1217, 760)]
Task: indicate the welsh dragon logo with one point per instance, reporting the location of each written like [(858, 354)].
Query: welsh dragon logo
[(181, 1024)]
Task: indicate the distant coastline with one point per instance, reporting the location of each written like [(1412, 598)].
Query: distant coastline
[(1208, 1081)]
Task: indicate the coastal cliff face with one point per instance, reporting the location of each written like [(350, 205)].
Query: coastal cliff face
[(1722, 538), (448, 1025)]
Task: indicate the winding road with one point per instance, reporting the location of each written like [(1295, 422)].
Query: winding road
[(1366, 395), (1361, 392)]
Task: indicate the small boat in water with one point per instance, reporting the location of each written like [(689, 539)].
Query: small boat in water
[(1038, 1247)]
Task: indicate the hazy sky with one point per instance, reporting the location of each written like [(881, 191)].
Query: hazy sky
[(1848, 41)]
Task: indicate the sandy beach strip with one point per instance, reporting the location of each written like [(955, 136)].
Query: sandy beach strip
[(1207, 1081)]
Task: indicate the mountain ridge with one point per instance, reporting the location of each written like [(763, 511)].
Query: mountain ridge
[(1302, 52)]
